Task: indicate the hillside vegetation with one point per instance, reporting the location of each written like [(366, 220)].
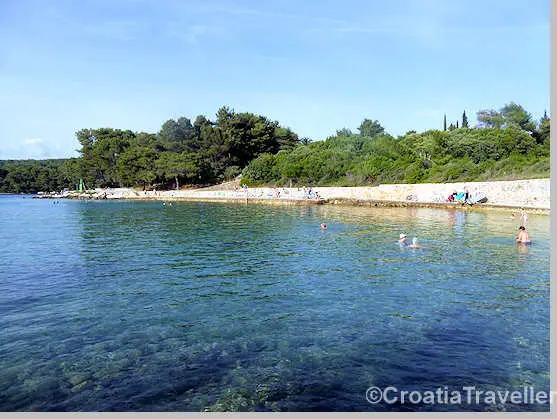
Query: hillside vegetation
[(504, 145)]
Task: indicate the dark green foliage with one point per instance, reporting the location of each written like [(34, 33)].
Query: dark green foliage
[(490, 119), (175, 166), (181, 152), (178, 136), (464, 120), (542, 133), (516, 114), (31, 176), (261, 170), (137, 165), (507, 145), (344, 132), (509, 115), (414, 173), (369, 128), (459, 154)]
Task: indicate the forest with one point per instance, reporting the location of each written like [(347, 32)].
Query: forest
[(505, 144)]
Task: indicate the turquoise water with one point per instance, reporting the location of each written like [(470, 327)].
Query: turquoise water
[(205, 306)]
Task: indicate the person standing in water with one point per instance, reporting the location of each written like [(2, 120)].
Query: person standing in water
[(523, 216), (523, 236)]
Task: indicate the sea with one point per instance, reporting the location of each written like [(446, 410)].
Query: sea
[(191, 306)]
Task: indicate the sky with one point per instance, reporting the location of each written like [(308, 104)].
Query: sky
[(314, 66)]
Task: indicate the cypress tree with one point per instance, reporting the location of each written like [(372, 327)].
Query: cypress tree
[(457, 124), (445, 122), (464, 120), (544, 117)]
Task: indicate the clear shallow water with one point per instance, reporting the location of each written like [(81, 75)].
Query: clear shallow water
[(198, 306)]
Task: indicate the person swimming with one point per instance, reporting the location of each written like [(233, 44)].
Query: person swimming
[(323, 226), (415, 244), (523, 236), (402, 239)]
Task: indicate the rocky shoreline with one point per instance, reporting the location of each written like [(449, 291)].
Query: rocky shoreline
[(532, 194)]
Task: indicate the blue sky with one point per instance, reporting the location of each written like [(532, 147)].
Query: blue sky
[(314, 66)]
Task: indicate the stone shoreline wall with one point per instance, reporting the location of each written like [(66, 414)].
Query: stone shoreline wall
[(531, 193)]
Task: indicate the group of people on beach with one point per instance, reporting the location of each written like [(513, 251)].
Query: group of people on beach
[(465, 197), (311, 194), (458, 197)]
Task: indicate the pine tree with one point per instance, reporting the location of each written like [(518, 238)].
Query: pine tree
[(445, 122), (464, 120)]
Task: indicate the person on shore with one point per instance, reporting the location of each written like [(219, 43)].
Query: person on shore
[(402, 239), (323, 226), (452, 197), (523, 236), (415, 244), (513, 216)]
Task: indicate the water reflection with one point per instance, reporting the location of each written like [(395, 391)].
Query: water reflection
[(523, 250)]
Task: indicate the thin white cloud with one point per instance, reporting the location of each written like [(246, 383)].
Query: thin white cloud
[(29, 148), (28, 141), (191, 34), (118, 30)]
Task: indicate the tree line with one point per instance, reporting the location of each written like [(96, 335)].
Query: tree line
[(182, 152), (505, 144)]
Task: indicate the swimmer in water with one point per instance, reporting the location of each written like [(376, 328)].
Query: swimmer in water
[(323, 226), (523, 236), (415, 244), (402, 239)]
